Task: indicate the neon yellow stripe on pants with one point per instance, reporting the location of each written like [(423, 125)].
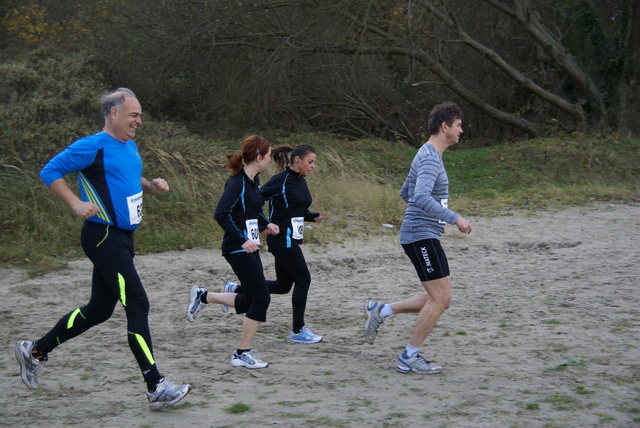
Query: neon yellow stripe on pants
[(145, 348), (139, 339), (121, 286), (72, 318)]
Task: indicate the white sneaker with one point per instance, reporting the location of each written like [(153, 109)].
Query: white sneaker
[(167, 393), (416, 364), (248, 360), (373, 320), (229, 287), (29, 365), (195, 305), (304, 336)]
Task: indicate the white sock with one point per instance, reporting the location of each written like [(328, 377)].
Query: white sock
[(386, 311), (410, 351)]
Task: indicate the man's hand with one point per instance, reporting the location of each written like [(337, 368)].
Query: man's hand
[(463, 225), (85, 209), (157, 185)]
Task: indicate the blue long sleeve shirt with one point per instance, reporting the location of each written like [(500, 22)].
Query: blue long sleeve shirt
[(109, 174)]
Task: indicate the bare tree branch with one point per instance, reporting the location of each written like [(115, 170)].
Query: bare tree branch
[(572, 109), (520, 10)]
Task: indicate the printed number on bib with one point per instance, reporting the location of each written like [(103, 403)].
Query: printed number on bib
[(135, 208), (297, 227), (445, 204), (252, 230)]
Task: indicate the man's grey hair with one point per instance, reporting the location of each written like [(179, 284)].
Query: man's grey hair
[(115, 99)]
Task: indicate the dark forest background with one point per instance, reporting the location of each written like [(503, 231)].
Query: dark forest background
[(355, 68)]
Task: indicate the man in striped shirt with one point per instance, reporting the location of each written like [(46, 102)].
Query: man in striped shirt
[(426, 192)]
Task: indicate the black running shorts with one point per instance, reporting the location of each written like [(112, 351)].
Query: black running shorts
[(428, 258)]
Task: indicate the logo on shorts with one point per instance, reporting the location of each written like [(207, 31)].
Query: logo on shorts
[(427, 261)]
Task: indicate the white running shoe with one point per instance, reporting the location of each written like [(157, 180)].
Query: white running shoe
[(304, 336), (29, 365), (167, 393), (416, 364), (248, 360), (195, 305), (229, 287), (373, 320)]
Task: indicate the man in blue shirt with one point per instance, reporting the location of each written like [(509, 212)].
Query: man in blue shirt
[(111, 185)]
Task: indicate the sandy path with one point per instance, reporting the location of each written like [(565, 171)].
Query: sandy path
[(543, 331)]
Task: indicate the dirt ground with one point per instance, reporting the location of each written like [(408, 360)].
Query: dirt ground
[(543, 332)]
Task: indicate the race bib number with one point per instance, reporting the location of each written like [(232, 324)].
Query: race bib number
[(135, 208), (252, 230), (445, 204), (297, 227)]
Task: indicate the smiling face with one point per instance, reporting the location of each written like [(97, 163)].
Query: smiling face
[(122, 122), (304, 165)]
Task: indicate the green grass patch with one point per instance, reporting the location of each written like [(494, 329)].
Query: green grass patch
[(563, 402), (582, 390), (356, 185), (238, 408)]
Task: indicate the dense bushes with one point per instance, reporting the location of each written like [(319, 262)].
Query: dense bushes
[(47, 100)]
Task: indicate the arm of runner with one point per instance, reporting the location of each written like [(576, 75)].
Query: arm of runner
[(463, 225), (272, 229), (62, 191), (157, 185), (250, 246), (312, 216)]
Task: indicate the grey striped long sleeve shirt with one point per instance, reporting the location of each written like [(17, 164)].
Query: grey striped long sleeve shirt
[(426, 192)]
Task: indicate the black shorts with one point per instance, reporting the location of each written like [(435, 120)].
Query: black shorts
[(428, 258)]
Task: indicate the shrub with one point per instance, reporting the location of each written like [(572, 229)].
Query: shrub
[(47, 101)]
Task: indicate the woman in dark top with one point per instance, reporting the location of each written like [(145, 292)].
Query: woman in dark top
[(239, 213), (289, 199)]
